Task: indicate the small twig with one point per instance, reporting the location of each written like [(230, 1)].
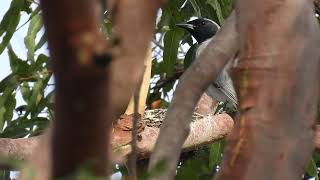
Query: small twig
[(158, 44), (133, 156)]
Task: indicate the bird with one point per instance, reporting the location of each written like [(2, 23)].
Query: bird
[(203, 31)]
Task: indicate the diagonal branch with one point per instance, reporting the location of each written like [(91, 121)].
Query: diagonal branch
[(193, 83)]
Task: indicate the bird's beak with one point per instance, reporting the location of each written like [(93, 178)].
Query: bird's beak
[(186, 26)]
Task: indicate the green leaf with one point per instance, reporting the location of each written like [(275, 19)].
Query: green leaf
[(226, 7), (2, 112), (3, 108), (196, 7), (29, 40), (171, 45), (312, 169), (36, 95), (10, 105), (40, 63), (41, 124), (13, 22), (25, 91), (215, 154), (16, 128), (9, 82), (187, 38), (10, 22), (17, 65), (216, 6), (5, 22), (41, 42), (44, 102), (35, 12), (190, 56)]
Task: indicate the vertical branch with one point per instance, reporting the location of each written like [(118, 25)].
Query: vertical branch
[(87, 70), (80, 63), (278, 83), (134, 23), (136, 115)]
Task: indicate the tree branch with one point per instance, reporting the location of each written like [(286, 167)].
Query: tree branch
[(203, 131), (277, 78)]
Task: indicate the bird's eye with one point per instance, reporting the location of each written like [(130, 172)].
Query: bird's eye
[(203, 22)]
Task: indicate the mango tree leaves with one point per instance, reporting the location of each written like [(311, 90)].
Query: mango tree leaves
[(215, 154), (171, 45), (312, 169), (10, 22), (196, 7), (29, 40), (9, 82), (29, 77), (215, 4), (18, 66), (7, 105), (190, 56)]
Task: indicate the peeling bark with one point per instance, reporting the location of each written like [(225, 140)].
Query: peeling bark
[(277, 79), (203, 131)]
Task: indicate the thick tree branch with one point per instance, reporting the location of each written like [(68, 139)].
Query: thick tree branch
[(80, 65), (191, 86), (204, 130), (134, 23), (277, 78)]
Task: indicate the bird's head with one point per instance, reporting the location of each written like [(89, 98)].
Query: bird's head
[(201, 29)]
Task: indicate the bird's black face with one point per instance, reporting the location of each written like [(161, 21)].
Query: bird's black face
[(201, 29)]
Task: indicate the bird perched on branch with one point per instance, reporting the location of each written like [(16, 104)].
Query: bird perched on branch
[(203, 30)]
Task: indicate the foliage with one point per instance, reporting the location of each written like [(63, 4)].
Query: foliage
[(30, 77)]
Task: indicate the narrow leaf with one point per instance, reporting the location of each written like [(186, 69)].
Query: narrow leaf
[(29, 40), (195, 7), (41, 42), (11, 27), (215, 154), (171, 45), (9, 82), (190, 56), (216, 6), (18, 66), (312, 169)]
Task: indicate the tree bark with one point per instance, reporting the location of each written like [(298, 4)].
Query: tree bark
[(94, 79), (277, 78), (203, 131), (176, 125), (82, 79)]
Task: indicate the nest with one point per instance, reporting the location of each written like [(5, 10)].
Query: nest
[(155, 117)]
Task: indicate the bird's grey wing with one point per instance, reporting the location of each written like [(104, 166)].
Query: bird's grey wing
[(222, 88), (225, 85)]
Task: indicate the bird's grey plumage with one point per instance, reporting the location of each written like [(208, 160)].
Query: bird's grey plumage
[(222, 88)]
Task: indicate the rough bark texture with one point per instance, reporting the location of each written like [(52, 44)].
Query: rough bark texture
[(176, 126), (277, 79), (203, 131)]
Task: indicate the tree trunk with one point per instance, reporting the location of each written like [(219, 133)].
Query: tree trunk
[(277, 78)]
